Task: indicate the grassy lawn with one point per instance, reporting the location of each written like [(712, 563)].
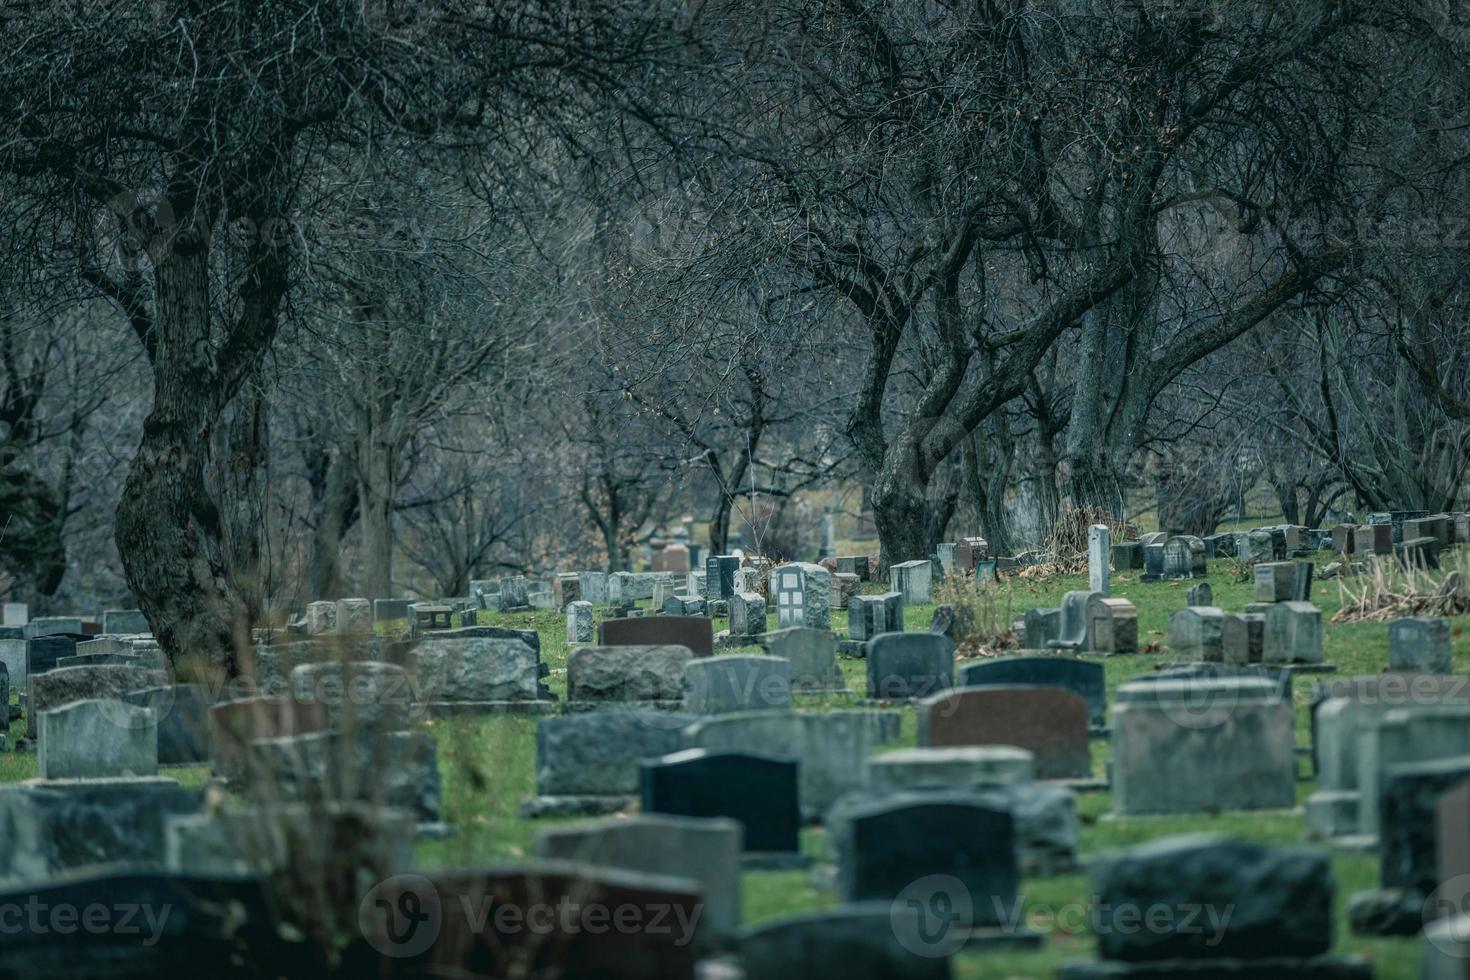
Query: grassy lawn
[(488, 767)]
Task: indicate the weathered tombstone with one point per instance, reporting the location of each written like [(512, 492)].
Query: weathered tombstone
[(1344, 539), (588, 763), (1242, 637), (673, 558), (599, 924), (1184, 557), (1280, 902), (57, 687), (471, 671), (429, 616), (866, 941), (1073, 632), (909, 665), (706, 850), (234, 725), (758, 791), (1200, 595), (1128, 556), (812, 655), (829, 747), (1293, 634), (1082, 677), (1420, 644), (844, 587), (367, 697), (1374, 539), (355, 617), (321, 766), (1202, 745), (1112, 625), (14, 657), (747, 615), (388, 610), (1452, 850), (627, 673), (1402, 737), (567, 587), (1418, 554), (1275, 581), (1049, 722), (694, 632), (1098, 543), (97, 739), (944, 557), (869, 616), (1407, 804), (53, 625), (856, 565), (1153, 563), (183, 721), (1195, 634), (683, 605), (736, 682), (914, 581), (803, 595), (321, 618), (969, 552), (44, 652), (15, 614), (883, 846), (594, 586), (125, 622), (514, 593), (719, 576), (579, 622), (1042, 628)]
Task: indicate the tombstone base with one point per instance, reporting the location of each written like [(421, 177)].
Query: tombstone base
[(589, 707), (774, 861), (573, 806), (858, 649), (1317, 968), (450, 709)]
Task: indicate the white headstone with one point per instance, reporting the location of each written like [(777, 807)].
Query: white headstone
[(1099, 547)]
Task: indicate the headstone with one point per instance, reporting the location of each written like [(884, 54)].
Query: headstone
[(321, 618), (1128, 556), (854, 565), (567, 588), (594, 586), (719, 576), (1202, 746), (883, 846), (97, 739), (1184, 557), (694, 632), (1420, 644), (1407, 805), (355, 617), (388, 610), (1344, 539), (234, 725), (803, 595), (812, 655), (1043, 627), (44, 652), (14, 656), (1280, 902), (704, 850), (364, 697), (1374, 539), (969, 552), (1195, 634), (1242, 638), (747, 614), (1049, 722), (627, 673), (1293, 634), (1418, 553), (514, 593), (1098, 546), (1302, 586), (909, 665), (871, 615), (1275, 581), (1402, 737), (830, 748), (736, 682), (1074, 621), (673, 558), (125, 622), (866, 941), (914, 581), (15, 614), (182, 711), (1112, 625), (51, 625), (758, 791), (328, 766), (1153, 563), (483, 669), (579, 622), (1082, 677), (54, 688), (844, 586), (596, 754)]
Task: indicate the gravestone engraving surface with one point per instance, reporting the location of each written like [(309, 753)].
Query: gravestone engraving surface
[(1081, 677), (1049, 722), (909, 665), (694, 632), (758, 791)]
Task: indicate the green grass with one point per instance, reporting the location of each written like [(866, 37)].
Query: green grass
[(488, 766)]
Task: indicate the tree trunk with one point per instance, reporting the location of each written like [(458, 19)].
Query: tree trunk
[(901, 508), (375, 502), (337, 512), (239, 482), (167, 527)]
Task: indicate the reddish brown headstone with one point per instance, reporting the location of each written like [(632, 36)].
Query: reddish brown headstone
[(1050, 722), (233, 725), (531, 921), (1374, 539), (674, 558), (968, 551), (695, 632)]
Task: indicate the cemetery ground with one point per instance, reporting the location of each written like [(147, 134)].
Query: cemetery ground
[(488, 765)]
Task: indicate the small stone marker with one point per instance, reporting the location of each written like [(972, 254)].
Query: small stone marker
[(1112, 626), (1293, 634), (758, 791), (1042, 628), (1420, 644), (1275, 581), (1200, 595), (914, 581), (1195, 634), (747, 615), (869, 615), (853, 565), (1098, 546), (1128, 556)]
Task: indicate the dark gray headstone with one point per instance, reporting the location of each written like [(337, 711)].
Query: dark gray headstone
[(759, 791), (909, 665), (1079, 676)]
